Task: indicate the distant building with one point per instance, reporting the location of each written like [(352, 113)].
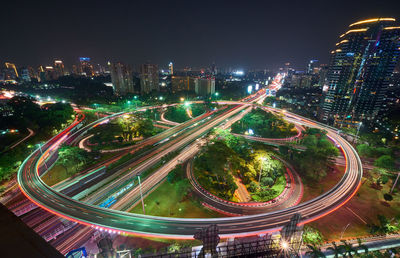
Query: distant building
[(50, 73), (10, 72), (85, 67), (182, 83), (204, 86), (301, 81), (359, 72), (75, 70), (25, 75), (171, 68), (121, 78), (13, 68), (59, 68), (149, 78)]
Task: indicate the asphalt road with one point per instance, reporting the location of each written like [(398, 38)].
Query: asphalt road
[(121, 222)]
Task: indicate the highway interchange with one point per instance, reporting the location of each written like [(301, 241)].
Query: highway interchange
[(115, 220)]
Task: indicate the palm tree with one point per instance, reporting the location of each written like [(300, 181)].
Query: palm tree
[(361, 246), (337, 250), (348, 249), (315, 251)]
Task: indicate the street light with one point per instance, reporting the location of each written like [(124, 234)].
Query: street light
[(187, 104), (182, 99), (284, 245), (358, 131)]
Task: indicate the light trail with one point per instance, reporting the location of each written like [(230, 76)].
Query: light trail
[(121, 222)]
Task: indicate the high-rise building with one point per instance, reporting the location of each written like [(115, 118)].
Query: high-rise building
[(182, 83), (11, 71), (50, 73), (171, 68), (121, 78), (24, 75), (59, 68), (204, 86), (85, 67), (149, 78), (359, 72)]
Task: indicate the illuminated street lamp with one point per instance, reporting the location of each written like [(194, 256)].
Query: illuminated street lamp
[(284, 245), (358, 131), (160, 98), (182, 99), (187, 104)]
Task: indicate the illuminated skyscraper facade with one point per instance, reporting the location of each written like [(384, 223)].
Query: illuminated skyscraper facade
[(85, 67), (360, 68)]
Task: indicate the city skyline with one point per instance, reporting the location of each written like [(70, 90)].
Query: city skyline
[(279, 33)]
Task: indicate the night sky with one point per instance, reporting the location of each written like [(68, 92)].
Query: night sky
[(247, 34)]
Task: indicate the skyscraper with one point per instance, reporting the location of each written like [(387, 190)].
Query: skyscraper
[(149, 78), (85, 67), (11, 72), (204, 86), (121, 78), (359, 71), (59, 68)]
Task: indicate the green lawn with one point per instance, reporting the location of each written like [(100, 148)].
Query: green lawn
[(58, 173), (168, 202), (279, 185)]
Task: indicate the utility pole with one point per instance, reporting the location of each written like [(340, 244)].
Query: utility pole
[(141, 195)]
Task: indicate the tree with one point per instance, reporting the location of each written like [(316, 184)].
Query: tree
[(318, 156), (385, 161), (312, 236), (314, 251), (348, 249), (71, 156), (364, 150), (267, 181), (337, 250)]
